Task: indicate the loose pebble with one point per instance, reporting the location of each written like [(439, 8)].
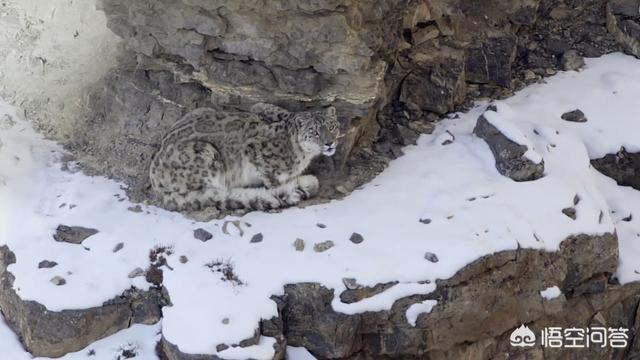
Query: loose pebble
[(323, 246), (46, 264), (135, 209), (429, 256), (58, 281), (570, 212), (356, 238), (118, 247), (299, 245), (257, 238), (202, 235)]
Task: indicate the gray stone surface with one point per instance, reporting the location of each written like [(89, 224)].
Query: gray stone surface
[(574, 116), (509, 156), (73, 234), (623, 167), (623, 21), (55, 333)]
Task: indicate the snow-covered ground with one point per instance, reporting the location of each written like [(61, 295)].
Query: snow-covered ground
[(433, 211)]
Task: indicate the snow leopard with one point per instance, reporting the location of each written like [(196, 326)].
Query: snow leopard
[(234, 160)]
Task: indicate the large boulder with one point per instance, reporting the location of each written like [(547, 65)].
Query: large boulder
[(56, 333), (514, 159)]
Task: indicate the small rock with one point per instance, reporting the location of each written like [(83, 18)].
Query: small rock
[(221, 347), (225, 321), (570, 212), (73, 234), (136, 273), (572, 61), (299, 245), (183, 259), (510, 159), (530, 75), (135, 209), (46, 264), (574, 116), (356, 238), (429, 256), (321, 226), (257, 238), (576, 199), (351, 283), (202, 235), (323, 246), (425, 221), (58, 281), (342, 190), (118, 247)]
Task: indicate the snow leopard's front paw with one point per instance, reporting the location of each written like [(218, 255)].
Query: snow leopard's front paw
[(289, 197), (269, 202), (308, 186)]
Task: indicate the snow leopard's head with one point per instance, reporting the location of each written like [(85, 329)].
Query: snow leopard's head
[(318, 131)]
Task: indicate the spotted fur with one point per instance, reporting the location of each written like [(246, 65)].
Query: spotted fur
[(242, 160)]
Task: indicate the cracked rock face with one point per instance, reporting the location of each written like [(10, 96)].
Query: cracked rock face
[(53, 334), (390, 68), (477, 308), (623, 21)]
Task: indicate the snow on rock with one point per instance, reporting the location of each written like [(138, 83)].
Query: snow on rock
[(512, 133), (139, 340), (222, 292), (551, 293), (419, 308), (299, 353)]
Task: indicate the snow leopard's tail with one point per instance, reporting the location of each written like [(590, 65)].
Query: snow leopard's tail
[(262, 199)]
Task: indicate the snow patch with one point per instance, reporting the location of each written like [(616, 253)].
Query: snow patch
[(415, 310), (551, 293)]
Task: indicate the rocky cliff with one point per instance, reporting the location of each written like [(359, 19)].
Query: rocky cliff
[(391, 68)]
